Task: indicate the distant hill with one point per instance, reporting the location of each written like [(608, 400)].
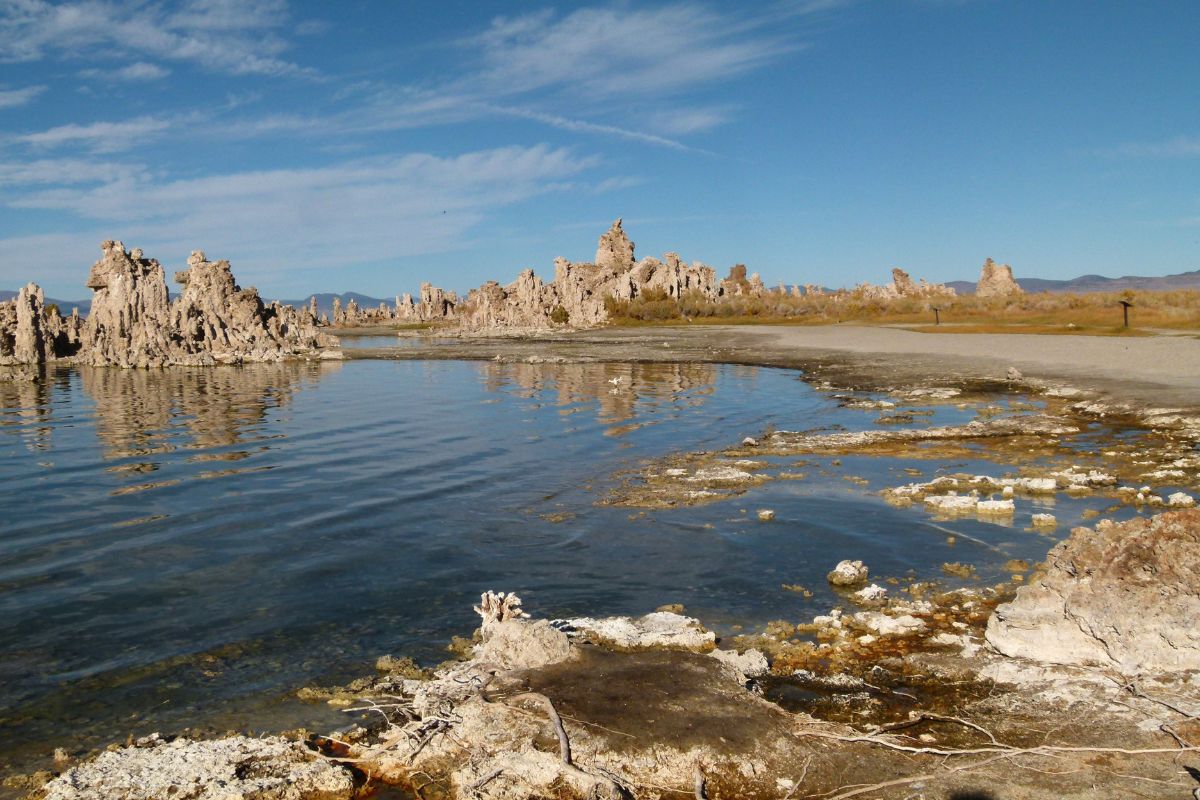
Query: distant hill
[(1098, 283), (325, 301), (64, 306)]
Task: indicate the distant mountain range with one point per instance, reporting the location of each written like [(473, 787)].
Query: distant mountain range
[(64, 306), (1084, 283), (1098, 283), (325, 301)]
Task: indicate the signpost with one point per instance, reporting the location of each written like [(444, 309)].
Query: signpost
[(1125, 304)]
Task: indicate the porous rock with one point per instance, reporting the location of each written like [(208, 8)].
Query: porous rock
[(132, 322), (521, 644), (31, 333), (1123, 596), (996, 280), (848, 573), (234, 768), (661, 629)]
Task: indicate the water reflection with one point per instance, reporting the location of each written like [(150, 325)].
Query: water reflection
[(25, 410), (142, 413), (619, 391)]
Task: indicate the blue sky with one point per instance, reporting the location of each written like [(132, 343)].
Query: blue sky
[(371, 145)]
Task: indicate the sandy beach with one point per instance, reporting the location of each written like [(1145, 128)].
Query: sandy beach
[(1161, 370), (1146, 372)]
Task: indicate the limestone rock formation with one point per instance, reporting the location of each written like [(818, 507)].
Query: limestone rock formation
[(1125, 596), (577, 295), (235, 768), (130, 318), (30, 333), (615, 251), (433, 305), (902, 285), (133, 323), (996, 280)]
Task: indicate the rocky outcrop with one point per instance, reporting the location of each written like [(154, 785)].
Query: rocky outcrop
[(996, 280), (615, 251), (536, 713), (130, 317), (235, 768), (577, 296), (1123, 596), (432, 305), (31, 333), (133, 323), (902, 285)]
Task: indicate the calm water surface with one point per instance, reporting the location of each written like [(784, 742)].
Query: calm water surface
[(186, 547)]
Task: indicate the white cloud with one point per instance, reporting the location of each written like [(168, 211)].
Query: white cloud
[(605, 52), (64, 172), (137, 71), (233, 36), (12, 98), (682, 121), (347, 213), (99, 137)]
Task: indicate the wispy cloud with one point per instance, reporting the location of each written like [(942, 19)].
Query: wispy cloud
[(567, 124), (232, 36), (1178, 147), (71, 172), (137, 71), (12, 98), (99, 137), (605, 52), (345, 213)]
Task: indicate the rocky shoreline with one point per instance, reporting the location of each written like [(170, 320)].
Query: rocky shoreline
[(1078, 679), (943, 695), (1051, 684)]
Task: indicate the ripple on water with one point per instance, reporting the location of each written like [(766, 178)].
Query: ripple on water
[(184, 545)]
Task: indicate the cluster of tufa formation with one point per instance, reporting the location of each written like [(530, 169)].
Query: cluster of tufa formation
[(996, 280), (433, 305), (134, 323), (31, 333), (578, 292), (903, 285)]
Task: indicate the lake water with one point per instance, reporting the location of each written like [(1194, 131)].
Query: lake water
[(188, 546)]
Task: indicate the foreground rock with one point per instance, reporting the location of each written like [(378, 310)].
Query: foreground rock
[(538, 712), (236, 768), (1123, 596), (132, 322)]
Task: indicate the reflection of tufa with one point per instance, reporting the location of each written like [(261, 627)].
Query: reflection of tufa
[(499, 607)]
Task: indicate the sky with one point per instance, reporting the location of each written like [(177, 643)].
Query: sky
[(369, 146)]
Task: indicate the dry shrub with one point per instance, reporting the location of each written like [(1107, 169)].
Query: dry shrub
[(1097, 312)]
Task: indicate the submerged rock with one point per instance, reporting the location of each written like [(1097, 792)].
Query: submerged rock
[(234, 768), (848, 573), (1124, 596)]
